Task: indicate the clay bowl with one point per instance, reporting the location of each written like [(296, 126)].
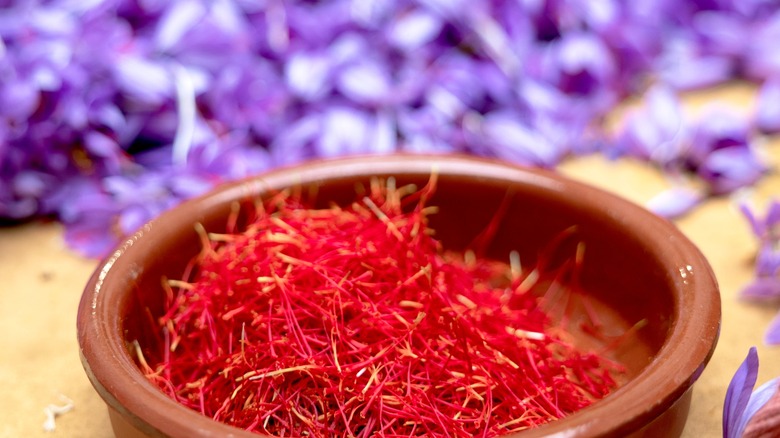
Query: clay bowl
[(638, 267)]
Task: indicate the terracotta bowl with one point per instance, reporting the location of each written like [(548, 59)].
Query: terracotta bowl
[(637, 267)]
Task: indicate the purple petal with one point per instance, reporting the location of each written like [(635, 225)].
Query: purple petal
[(52, 21), (348, 48), (187, 185), (383, 138), (239, 161), (108, 115), (768, 260), (456, 75), (414, 29), (294, 143), (179, 18), (583, 52), (656, 131), (143, 80), (497, 86), (542, 97), (123, 189), (371, 13), (665, 110), (511, 140), (228, 157), (365, 82), (85, 197), (101, 145), (32, 184), (447, 8), (758, 400), (766, 289), (132, 218), (90, 239), (718, 129), (88, 218), (18, 100), (424, 129), (731, 168), (693, 72), (767, 117), (277, 27), (762, 59), (762, 226), (637, 137), (306, 74), (725, 31), (446, 102), (600, 14), (773, 214), (675, 202), (228, 17), (18, 209), (46, 78), (738, 395), (425, 144), (344, 131), (495, 42), (758, 226), (772, 335)]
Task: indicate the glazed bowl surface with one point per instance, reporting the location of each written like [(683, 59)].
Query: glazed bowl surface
[(638, 267)]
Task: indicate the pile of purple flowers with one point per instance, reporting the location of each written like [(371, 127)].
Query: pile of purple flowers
[(114, 110)]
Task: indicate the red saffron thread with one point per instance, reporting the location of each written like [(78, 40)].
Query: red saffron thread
[(352, 321)]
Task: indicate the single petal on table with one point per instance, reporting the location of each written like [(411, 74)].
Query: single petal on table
[(675, 202)]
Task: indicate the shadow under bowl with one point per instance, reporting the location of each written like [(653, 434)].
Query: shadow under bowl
[(638, 267)]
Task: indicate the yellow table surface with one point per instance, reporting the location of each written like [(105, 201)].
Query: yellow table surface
[(41, 282)]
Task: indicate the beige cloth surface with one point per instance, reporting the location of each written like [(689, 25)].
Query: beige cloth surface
[(41, 282)]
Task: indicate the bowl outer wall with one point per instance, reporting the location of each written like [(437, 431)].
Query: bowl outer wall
[(675, 368)]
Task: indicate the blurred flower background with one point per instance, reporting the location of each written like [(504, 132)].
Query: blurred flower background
[(112, 111)]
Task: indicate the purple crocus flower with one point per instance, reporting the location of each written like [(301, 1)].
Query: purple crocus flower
[(767, 231), (721, 152), (717, 149), (765, 287), (742, 410), (655, 132)]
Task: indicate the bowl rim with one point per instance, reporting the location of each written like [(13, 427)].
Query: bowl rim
[(120, 383)]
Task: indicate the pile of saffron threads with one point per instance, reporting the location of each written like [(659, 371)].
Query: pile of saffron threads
[(352, 321)]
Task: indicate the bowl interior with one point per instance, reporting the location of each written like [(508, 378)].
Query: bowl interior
[(634, 268)]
